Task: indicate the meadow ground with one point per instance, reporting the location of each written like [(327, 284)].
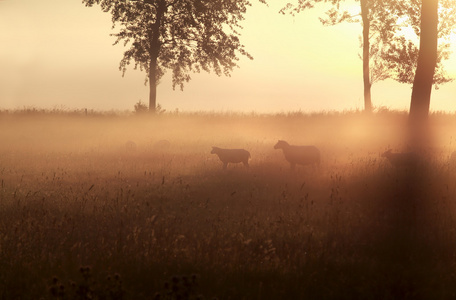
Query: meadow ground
[(84, 216)]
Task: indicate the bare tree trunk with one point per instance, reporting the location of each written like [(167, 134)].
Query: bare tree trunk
[(427, 58), (154, 52), (366, 57), (153, 86), (419, 131)]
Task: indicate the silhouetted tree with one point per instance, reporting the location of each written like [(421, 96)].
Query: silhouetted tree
[(390, 55), (184, 36), (427, 60), (378, 19), (401, 54)]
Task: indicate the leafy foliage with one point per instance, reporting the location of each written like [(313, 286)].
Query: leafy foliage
[(402, 57), (401, 53), (140, 107), (181, 35), (393, 52), (184, 36)]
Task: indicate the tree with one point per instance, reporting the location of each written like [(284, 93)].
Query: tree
[(378, 19), (184, 36), (401, 54), (391, 54), (427, 60)]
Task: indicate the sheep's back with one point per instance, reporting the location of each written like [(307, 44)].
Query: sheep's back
[(403, 159), (233, 155)]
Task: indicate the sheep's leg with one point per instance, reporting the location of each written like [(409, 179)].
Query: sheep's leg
[(225, 164), (246, 164)]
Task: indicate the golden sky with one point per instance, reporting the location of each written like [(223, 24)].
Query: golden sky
[(58, 54)]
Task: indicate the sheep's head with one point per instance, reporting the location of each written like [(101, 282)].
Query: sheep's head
[(214, 150), (280, 144)]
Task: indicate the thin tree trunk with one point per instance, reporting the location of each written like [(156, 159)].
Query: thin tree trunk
[(154, 52), (153, 86), (366, 57), (427, 58)]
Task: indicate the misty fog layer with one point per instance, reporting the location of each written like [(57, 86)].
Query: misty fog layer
[(142, 199)]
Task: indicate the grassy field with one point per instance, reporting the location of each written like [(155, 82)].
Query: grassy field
[(83, 217)]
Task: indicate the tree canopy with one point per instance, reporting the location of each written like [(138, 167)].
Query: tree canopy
[(378, 19), (389, 50), (183, 36), (401, 53)]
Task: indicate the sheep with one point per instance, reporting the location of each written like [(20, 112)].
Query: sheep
[(302, 155), (401, 159), (232, 156)]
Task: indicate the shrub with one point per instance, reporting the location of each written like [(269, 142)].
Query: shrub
[(141, 107)]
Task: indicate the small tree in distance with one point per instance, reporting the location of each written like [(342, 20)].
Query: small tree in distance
[(183, 36)]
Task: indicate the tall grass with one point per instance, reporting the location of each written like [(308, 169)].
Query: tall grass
[(83, 218)]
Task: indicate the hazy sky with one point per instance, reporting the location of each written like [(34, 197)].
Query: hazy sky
[(59, 54)]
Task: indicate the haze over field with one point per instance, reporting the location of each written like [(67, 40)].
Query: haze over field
[(59, 54), (83, 210)]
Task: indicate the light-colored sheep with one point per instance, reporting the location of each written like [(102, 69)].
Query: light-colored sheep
[(232, 156), (301, 155), (401, 159)]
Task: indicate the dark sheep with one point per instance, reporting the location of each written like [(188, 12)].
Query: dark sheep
[(401, 159), (232, 156), (301, 155)]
